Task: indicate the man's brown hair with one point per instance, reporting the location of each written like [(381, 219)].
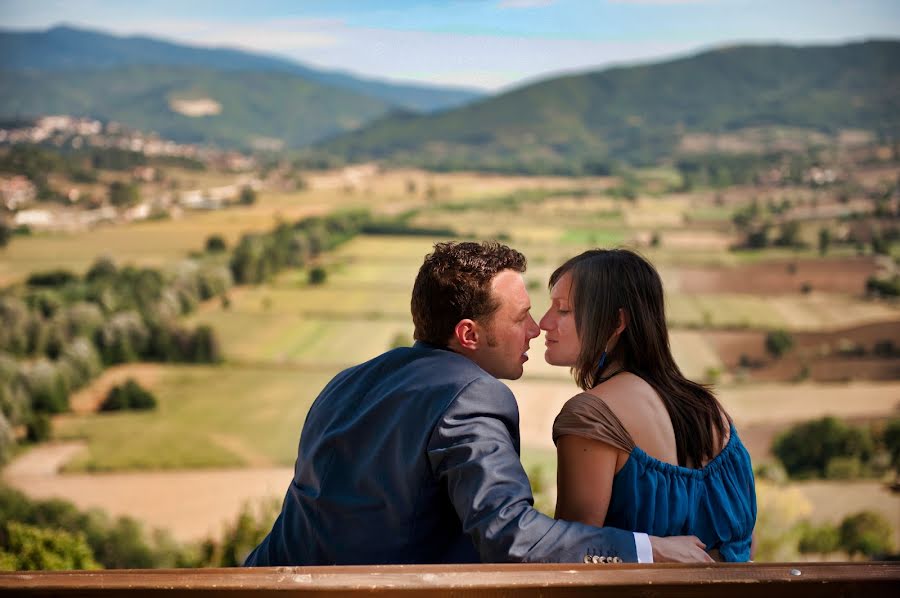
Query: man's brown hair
[(454, 283)]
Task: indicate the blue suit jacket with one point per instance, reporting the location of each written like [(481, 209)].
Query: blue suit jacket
[(413, 457)]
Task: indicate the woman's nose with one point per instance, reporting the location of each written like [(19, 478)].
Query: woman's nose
[(545, 322)]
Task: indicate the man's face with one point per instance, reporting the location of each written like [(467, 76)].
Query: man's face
[(502, 352)]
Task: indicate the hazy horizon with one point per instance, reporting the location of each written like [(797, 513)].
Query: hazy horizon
[(489, 45)]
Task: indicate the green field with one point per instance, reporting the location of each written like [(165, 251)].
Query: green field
[(224, 416)]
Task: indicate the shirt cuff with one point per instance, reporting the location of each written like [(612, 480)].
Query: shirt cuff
[(643, 547)]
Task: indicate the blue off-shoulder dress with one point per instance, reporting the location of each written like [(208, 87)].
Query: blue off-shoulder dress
[(716, 503)]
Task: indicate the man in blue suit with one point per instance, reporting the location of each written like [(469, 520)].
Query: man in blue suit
[(413, 456)]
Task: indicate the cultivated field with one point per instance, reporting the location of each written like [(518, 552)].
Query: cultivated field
[(227, 434)]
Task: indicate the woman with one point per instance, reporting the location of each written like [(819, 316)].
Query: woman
[(642, 448)]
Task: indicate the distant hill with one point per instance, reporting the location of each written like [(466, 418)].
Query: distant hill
[(65, 49), (640, 114), (240, 109)]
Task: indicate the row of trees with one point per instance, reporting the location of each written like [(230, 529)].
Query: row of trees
[(59, 330), (259, 256)]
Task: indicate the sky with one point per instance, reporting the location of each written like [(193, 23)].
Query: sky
[(485, 44)]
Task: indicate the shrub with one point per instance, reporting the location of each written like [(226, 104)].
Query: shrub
[(883, 287), (867, 533), (38, 428), (247, 196), (14, 319), (122, 338), (31, 548), (47, 388), (807, 448), (7, 439), (843, 468), (52, 278), (884, 348), (205, 346), (821, 539), (116, 545), (128, 396), (891, 439), (779, 342), (6, 232), (123, 194), (102, 268), (215, 244), (317, 275)]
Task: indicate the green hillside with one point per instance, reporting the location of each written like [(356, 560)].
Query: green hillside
[(252, 105), (639, 114), (65, 48)]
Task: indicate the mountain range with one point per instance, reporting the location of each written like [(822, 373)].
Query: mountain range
[(574, 123), (641, 114), (141, 82)]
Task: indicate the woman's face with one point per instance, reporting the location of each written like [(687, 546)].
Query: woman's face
[(558, 324)]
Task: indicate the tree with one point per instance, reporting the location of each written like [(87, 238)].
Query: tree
[(807, 449), (824, 240), (891, 440), (130, 395), (6, 232), (247, 196), (123, 194), (317, 275), (779, 342), (867, 533), (790, 235), (215, 244), (205, 346)]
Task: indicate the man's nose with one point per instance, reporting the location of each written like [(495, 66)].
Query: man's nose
[(534, 331)]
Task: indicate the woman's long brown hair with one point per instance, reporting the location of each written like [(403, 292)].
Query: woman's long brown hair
[(606, 280)]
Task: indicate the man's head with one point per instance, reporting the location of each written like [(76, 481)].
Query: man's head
[(470, 297)]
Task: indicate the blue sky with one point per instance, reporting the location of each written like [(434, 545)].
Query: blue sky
[(491, 44)]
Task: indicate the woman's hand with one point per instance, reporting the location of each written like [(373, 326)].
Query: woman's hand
[(679, 549)]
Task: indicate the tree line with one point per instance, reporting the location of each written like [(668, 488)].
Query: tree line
[(59, 330)]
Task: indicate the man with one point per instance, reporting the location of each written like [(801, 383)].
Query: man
[(413, 457)]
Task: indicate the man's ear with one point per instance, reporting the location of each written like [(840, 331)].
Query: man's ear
[(466, 334)]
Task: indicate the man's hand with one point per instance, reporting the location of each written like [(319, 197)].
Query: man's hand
[(679, 549)]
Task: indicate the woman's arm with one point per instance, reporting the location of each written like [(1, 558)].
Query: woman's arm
[(585, 470)]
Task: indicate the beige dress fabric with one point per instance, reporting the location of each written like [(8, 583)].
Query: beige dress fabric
[(590, 417)]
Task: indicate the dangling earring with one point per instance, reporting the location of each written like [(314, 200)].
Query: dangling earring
[(602, 361)]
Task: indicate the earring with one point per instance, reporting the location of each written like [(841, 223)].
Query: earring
[(602, 361)]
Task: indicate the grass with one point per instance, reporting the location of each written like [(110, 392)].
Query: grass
[(208, 417), (722, 310), (593, 237)]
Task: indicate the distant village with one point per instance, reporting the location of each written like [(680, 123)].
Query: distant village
[(20, 196)]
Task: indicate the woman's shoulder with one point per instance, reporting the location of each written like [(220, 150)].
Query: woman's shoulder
[(588, 416)]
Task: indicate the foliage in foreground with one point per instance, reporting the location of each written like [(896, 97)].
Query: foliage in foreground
[(53, 535)]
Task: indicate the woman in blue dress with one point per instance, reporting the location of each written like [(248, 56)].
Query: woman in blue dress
[(642, 448)]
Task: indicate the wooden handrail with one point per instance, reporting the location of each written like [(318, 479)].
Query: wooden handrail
[(796, 580)]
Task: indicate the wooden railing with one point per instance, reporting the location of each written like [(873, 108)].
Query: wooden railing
[(796, 580)]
